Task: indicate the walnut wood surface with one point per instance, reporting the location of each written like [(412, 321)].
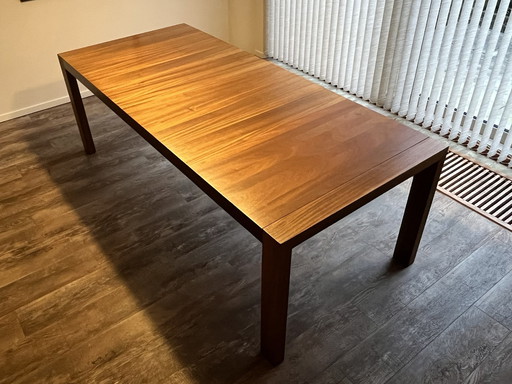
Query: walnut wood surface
[(275, 281), (271, 144)]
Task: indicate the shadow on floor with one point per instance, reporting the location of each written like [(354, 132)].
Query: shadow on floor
[(193, 271)]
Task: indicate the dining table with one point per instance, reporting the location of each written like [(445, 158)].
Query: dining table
[(283, 155)]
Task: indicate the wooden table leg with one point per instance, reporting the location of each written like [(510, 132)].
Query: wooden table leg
[(78, 109), (275, 281), (416, 212)]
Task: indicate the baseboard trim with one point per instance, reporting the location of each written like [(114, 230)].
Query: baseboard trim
[(259, 53), (39, 107)]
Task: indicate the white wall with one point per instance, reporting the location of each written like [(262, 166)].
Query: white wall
[(32, 33), (246, 25)]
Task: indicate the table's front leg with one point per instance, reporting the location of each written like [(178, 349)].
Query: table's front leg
[(78, 109), (418, 205), (275, 281)]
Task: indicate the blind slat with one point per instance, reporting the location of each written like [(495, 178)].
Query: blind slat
[(376, 8), (497, 77), (425, 53), (456, 41), (505, 125), (384, 87), (430, 74), (381, 51), (462, 68), (468, 88), (412, 22), (483, 79)]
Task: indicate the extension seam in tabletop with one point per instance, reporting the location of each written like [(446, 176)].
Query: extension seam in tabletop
[(311, 218)]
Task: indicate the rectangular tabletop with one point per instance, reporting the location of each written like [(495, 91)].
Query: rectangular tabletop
[(279, 148), (284, 156)]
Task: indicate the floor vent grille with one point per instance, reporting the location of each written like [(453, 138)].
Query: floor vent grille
[(478, 188)]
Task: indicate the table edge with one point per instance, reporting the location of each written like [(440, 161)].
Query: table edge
[(438, 154)]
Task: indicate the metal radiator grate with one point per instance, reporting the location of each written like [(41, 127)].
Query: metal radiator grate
[(478, 188)]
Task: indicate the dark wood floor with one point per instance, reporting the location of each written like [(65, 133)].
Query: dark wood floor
[(114, 268)]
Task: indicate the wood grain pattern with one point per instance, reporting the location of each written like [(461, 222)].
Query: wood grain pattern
[(442, 239), (342, 200), (496, 303), (496, 368), (456, 352), (388, 349), (275, 281), (422, 192), (78, 108), (265, 140)]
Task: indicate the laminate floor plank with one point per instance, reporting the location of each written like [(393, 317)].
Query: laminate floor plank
[(435, 259), (116, 268), (168, 267), (61, 302), (154, 205), (325, 277), (29, 354), (380, 356), (190, 295), (13, 126), (497, 304), (456, 352), (311, 352), (80, 362), (339, 272), (25, 182), (46, 280), (496, 368), (9, 174), (32, 235), (332, 377), (11, 333), (28, 201), (382, 218), (27, 260)]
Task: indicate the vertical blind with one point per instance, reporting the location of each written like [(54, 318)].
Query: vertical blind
[(444, 64)]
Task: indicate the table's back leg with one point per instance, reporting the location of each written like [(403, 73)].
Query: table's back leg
[(78, 109), (418, 205), (275, 281)]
